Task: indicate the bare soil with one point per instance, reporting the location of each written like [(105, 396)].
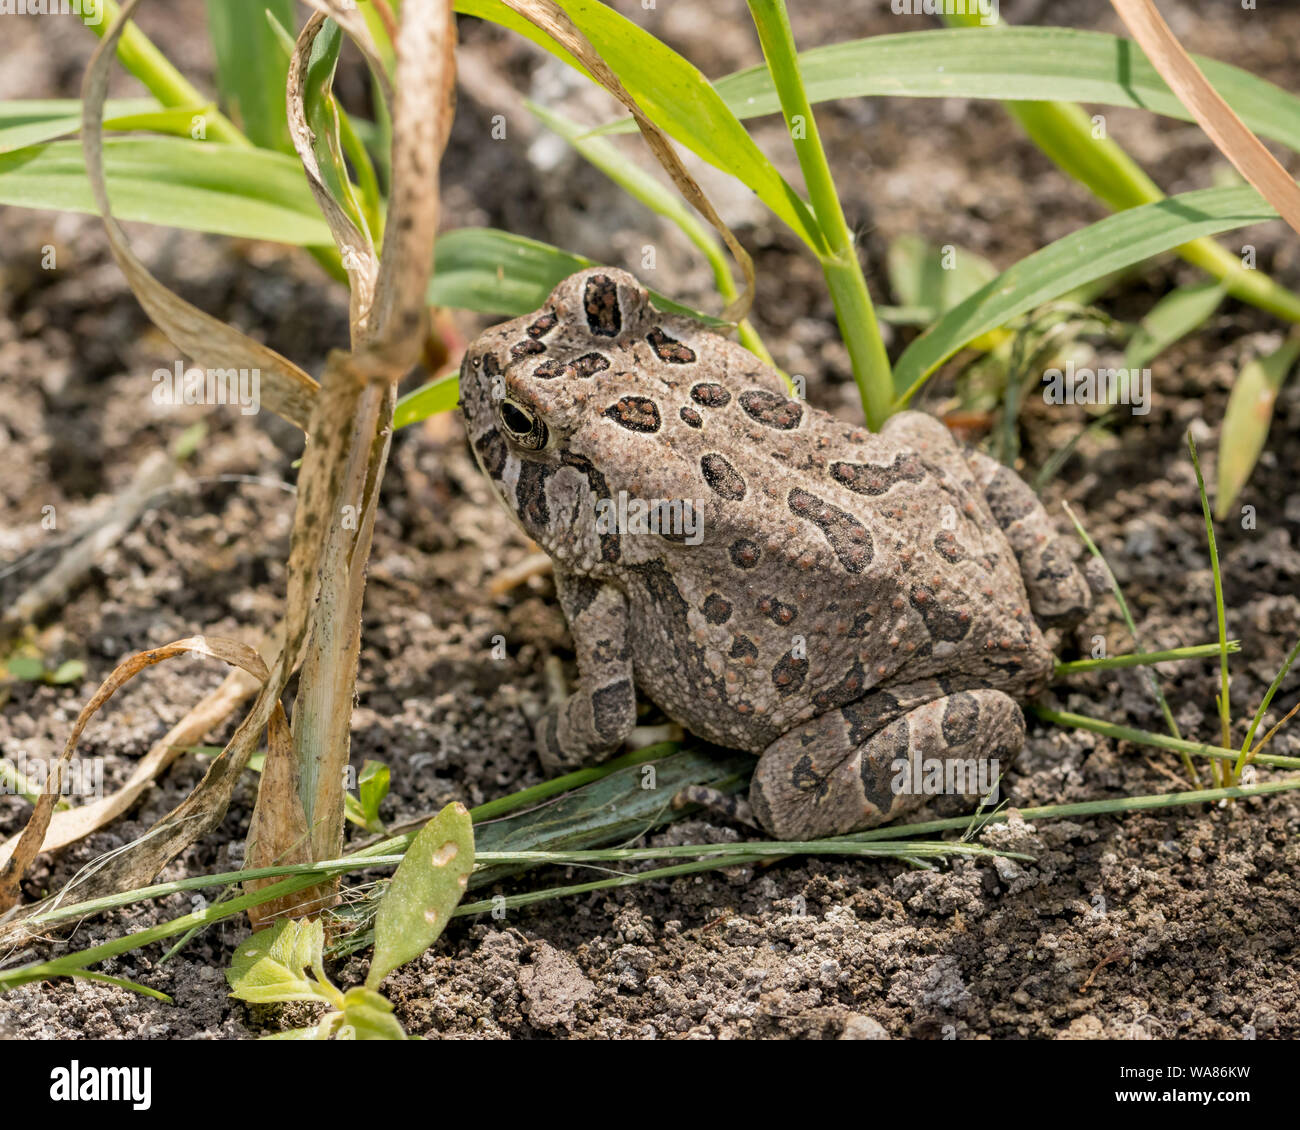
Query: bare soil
[(1179, 923)]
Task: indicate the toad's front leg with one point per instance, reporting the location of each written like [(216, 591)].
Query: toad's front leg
[(597, 718), (826, 778)]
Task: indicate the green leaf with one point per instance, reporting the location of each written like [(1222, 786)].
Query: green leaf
[(200, 185), (28, 121), (493, 272), (934, 279), (427, 400), (272, 964), (660, 198), (1176, 315), (372, 787), (1008, 63), (1117, 241), (370, 1016), (251, 67), (27, 668), (425, 888), (69, 671), (1247, 420), (677, 97)]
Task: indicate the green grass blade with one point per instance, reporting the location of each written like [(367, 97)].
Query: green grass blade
[(200, 185), (1244, 757), (251, 67), (30, 121), (1080, 257), (494, 272), (1225, 707), (1176, 315), (661, 199), (1247, 420), (676, 97), (1031, 64)]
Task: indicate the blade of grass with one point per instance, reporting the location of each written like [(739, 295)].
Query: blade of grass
[(661, 200), (1225, 707), (1152, 678), (1245, 757), (1118, 241), (251, 68), (1141, 659), (839, 260)]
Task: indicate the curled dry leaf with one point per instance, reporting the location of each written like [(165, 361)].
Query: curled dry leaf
[(354, 245), (555, 22), (285, 389), (18, 854)]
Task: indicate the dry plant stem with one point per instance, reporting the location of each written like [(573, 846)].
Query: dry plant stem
[(1219, 121), (303, 795), (156, 473)]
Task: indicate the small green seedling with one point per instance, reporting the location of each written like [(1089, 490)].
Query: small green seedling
[(372, 786), (286, 961)]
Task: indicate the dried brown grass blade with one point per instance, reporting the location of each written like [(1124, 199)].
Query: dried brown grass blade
[(1220, 123), (74, 824), (285, 388), (355, 248), (552, 19), (278, 832), (422, 113), (19, 857)]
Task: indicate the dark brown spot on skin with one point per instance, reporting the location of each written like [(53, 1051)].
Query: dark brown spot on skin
[(867, 715), (669, 349), (544, 325), (961, 715), (943, 622), (870, 479), (848, 537), (847, 690), (716, 609), (636, 413), (723, 479), (691, 417), (1009, 497), (742, 647), (710, 395), (600, 303), (948, 546), (789, 673), (805, 778), (491, 450), (585, 366), (777, 611), (610, 547), (526, 348), (770, 410), (613, 709), (580, 593), (745, 554), (530, 494), (877, 769)]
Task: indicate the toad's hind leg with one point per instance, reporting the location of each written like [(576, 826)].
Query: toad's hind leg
[(1058, 592), (819, 781)]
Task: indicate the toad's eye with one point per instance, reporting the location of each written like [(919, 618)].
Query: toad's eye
[(523, 425)]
